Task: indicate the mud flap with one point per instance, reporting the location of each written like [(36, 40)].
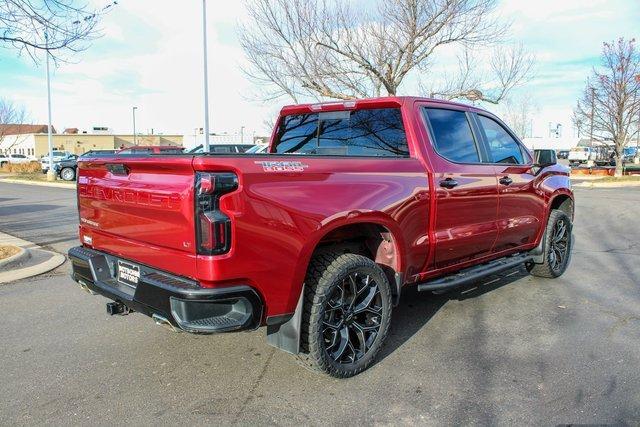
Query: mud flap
[(286, 336)]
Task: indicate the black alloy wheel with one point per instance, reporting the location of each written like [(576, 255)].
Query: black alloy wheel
[(352, 317), (347, 313)]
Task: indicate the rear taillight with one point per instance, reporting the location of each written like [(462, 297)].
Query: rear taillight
[(213, 227)]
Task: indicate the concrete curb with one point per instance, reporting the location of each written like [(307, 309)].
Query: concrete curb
[(608, 184), (54, 260), (19, 257), (41, 184)]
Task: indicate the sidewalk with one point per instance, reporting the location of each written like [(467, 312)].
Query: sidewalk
[(13, 180), (32, 261)]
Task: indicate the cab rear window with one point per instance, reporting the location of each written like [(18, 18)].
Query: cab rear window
[(375, 132)]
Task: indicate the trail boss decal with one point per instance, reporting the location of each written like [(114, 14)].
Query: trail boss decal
[(283, 166)]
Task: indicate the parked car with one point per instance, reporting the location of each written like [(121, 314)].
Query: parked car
[(20, 158), (579, 155), (4, 159), (222, 148), (317, 241), (151, 149), (599, 154), (629, 154), (257, 149), (57, 156), (66, 168), (563, 154)]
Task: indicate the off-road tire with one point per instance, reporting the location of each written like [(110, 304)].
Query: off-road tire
[(547, 268), (64, 174), (327, 272)]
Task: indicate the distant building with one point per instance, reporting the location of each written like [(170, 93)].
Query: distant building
[(32, 140)]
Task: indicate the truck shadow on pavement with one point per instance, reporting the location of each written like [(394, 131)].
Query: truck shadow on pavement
[(25, 209), (416, 309)]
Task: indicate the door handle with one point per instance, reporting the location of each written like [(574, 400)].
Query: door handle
[(505, 180), (448, 183)]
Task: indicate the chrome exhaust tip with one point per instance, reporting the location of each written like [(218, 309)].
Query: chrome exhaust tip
[(85, 287), (162, 321)]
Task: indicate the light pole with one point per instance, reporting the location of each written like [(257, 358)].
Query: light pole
[(206, 78), (135, 141), (51, 176), (241, 134), (636, 158)]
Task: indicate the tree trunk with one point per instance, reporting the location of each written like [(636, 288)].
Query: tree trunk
[(619, 166)]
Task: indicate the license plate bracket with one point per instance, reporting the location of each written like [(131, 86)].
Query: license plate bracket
[(128, 274)]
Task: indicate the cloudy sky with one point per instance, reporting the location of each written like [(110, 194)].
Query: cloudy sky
[(150, 56)]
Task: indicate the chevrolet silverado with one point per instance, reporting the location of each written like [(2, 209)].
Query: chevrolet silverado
[(316, 239)]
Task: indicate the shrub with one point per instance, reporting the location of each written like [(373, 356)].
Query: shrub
[(22, 167)]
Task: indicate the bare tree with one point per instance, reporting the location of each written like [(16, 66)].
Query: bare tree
[(517, 112), (59, 26), (508, 67), (10, 114), (327, 49), (610, 104)]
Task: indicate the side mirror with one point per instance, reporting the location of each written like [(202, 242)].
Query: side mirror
[(543, 158)]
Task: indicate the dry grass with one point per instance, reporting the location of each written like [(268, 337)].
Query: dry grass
[(625, 178), (7, 250), (22, 168)]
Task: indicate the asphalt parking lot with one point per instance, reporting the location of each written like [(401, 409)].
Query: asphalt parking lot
[(513, 350)]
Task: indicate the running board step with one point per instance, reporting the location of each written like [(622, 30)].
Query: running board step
[(474, 273)]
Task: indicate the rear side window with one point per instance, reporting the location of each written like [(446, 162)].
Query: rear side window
[(376, 132), (503, 148), (297, 134), (453, 138)]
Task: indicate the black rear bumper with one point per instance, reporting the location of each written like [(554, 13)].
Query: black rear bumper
[(180, 301)]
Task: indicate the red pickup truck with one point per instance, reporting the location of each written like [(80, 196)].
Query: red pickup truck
[(317, 239)]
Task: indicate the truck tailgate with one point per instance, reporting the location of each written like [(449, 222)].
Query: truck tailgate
[(139, 202)]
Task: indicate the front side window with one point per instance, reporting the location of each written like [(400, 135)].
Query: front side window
[(453, 138), (375, 132), (503, 148)]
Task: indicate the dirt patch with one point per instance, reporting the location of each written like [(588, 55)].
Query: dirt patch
[(7, 250)]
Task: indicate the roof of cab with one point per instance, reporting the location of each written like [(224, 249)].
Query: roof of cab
[(381, 102)]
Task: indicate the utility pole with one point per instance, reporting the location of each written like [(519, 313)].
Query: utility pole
[(593, 109), (50, 173), (206, 78), (135, 141)]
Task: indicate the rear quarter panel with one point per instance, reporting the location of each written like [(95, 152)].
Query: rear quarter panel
[(279, 217)]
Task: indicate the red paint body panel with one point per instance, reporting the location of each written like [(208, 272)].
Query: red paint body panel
[(278, 218)]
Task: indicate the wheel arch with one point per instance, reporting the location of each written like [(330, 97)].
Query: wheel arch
[(377, 237), (562, 200)]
